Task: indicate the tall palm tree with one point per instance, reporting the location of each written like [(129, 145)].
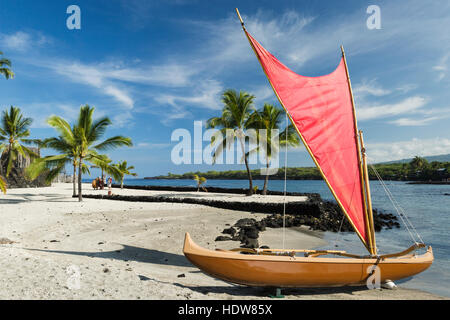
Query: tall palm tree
[(77, 144), (236, 118), (270, 118), (5, 65), (14, 130), (5, 70), (87, 134), (123, 169)]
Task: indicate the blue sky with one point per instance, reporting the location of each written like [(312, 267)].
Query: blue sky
[(155, 66)]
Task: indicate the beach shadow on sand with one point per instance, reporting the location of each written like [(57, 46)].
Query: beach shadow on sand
[(130, 253), (27, 197), (237, 290)]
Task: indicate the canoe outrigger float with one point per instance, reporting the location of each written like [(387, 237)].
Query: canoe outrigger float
[(322, 110)]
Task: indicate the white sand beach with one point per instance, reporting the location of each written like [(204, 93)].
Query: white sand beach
[(127, 250)]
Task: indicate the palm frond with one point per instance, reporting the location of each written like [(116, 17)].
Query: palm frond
[(114, 142)]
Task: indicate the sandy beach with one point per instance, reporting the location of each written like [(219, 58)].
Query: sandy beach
[(104, 249)]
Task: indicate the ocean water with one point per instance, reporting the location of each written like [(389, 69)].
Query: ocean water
[(426, 206)]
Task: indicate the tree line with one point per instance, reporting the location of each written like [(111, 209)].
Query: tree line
[(78, 145), (418, 169)]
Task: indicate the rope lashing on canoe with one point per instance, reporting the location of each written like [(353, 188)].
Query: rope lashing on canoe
[(403, 217)]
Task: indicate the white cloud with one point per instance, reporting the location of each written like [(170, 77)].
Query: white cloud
[(409, 105), (120, 95), (442, 67), (170, 75), (112, 79), (149, 145), (389, 151), (206, 95), (22, 41), (407, 122), (370, 88), (19, 41), (40, 111), (93, 76)]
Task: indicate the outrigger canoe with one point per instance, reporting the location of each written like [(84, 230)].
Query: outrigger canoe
[(282, 268)]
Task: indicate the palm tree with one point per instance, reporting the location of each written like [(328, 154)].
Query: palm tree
[(236, 117), (5, 65), (418, 163), (123, 169), (54, 165), (66, 145), (14, 130), (5, 70), (200, 182), (87, 134), (77, 144), (269, 118)]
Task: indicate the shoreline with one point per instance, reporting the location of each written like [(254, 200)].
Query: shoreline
[(126, 250)]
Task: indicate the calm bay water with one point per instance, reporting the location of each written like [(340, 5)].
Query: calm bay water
[(426, 206)]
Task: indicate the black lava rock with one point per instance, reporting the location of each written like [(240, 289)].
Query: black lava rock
[(223, 238)]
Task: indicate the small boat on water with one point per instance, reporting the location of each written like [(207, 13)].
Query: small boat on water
[(323, 112)]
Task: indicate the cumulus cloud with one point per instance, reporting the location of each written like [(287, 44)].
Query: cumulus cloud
[(22, 41), (409, 105), (397, 150)]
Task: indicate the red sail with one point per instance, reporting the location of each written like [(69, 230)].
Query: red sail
[(321, 109)]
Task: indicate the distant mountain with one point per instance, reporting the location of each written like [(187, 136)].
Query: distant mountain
[(440, 158)]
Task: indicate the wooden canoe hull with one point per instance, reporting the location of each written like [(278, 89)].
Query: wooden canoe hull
[(286, 271)]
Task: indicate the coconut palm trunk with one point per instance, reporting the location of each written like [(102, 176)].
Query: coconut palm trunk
[(80, 195), (266, 179), (249, 174), (74, 179)]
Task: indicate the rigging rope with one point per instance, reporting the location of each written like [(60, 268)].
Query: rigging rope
[(338, 233), (398, 208), (285, 178)]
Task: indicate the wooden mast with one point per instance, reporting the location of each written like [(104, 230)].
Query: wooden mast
[(369, 198), (362, 164)]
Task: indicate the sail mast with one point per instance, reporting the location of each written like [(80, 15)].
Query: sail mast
[(362, 169), (366, 244), (369, 198)]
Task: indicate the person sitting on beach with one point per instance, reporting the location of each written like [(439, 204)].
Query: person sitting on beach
[(95, 184)]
